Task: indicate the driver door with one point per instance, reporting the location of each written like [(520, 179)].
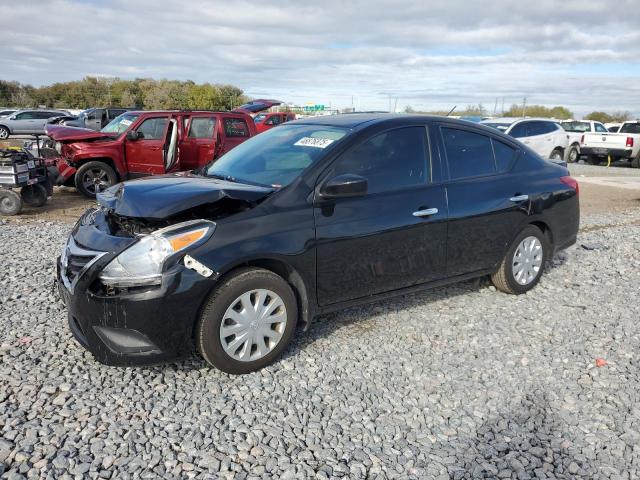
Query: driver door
[(146, 156)]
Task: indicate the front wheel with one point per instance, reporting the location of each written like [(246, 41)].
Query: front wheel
[(4, 133), (10, 202), (247, 322), (522, 266), (94, 177)]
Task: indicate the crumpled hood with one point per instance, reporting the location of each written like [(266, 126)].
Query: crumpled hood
[(63, 133), (161, 196)]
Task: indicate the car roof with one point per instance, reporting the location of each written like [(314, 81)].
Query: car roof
[(360, 120), (186, 112)]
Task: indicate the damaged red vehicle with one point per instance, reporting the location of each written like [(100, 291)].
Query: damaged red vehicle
[(140, 143)]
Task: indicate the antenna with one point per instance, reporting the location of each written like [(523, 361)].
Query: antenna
[(451, 111)]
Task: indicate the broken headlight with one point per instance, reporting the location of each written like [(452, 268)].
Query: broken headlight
[(141, 263)]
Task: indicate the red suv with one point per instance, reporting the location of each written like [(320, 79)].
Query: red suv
[(265, 121), (136, 144)]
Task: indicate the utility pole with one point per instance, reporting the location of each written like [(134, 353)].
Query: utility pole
[(495, 107), (524, 106)]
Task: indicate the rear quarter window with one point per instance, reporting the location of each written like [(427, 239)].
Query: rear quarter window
[(469, 154), (235, 127)]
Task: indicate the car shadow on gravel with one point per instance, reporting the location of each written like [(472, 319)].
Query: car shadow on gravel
[(527, 441)]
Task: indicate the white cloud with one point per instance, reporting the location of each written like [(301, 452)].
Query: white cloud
[(583, 54)]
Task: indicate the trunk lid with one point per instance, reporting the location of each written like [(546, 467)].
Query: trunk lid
[(259, 105)]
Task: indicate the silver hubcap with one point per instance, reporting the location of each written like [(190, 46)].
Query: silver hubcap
[(96, 180), (253, 325), (527, 260), (4, 133), (556, 156), (573, 155)]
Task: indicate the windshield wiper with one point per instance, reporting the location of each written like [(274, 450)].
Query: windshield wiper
[(219, 176)]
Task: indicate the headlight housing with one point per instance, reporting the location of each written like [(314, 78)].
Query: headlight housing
[(58, 147), (141, 264)]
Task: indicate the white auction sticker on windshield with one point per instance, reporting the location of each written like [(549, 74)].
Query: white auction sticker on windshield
[(314, 142), (126, 122)]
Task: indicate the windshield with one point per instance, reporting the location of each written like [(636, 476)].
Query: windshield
[(576, 126), (120, 123), (630, 128), (260, 117), (275, 158)]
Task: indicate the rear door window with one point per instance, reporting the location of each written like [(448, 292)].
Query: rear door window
[(389, 161), (202, 127), (235, 127), (469, 154)]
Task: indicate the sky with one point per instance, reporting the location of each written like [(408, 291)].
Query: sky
[(370, 54)]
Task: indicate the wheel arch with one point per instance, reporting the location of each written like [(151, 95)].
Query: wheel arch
[(290, 275), (546, 229)]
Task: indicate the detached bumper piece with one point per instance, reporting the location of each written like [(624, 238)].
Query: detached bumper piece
[(604, 152)]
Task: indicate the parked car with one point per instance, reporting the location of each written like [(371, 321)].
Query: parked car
[(267, 120), (28, 122), (136, 144), (92, 118), (545, 137), (5, 112), (613, 127), (622, 145), (307, 218), (575, 129)]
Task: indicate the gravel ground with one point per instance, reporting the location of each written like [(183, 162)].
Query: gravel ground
[(458, 382)]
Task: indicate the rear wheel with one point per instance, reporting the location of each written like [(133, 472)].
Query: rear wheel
[(10, 202), (635, 162), (94, 177), (574, 154), (247, 322), (34, 195), (556, 155), (523, 263)]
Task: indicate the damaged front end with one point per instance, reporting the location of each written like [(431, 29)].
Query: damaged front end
[(130, 281)]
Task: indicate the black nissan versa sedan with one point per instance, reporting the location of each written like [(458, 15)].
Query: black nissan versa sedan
[(312, 216)]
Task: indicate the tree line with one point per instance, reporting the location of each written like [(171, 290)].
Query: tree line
[(142, 93), (558, 112)]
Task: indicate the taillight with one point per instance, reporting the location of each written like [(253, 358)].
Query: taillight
[(582, 139), (630, 142), (571, 182)]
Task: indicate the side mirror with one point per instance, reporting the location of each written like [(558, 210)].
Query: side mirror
[(133, 136), (342, 186)]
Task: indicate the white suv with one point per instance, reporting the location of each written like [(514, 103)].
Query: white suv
[(544, 136)]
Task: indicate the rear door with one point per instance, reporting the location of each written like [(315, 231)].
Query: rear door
[(485, 203), (145, 156), (392, 237), (199, 141), (234, 131)]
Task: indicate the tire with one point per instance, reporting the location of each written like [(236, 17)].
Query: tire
[(505, 277), (10, 202), (574, 154), (34, 195), (227, 298), (593, 160), (94, 177), (4, 133), (556, 155), (635, 161)]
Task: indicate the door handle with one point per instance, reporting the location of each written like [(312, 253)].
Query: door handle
[(519, 198), (426, 212)]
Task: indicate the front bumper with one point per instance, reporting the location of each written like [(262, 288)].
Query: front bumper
[(66, 173), (605, 152), (142, 327)]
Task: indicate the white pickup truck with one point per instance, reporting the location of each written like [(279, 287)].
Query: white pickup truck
[(622, 145), (575, 129)]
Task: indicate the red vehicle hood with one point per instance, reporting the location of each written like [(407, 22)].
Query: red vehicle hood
[(62, 133), (259, 105)]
